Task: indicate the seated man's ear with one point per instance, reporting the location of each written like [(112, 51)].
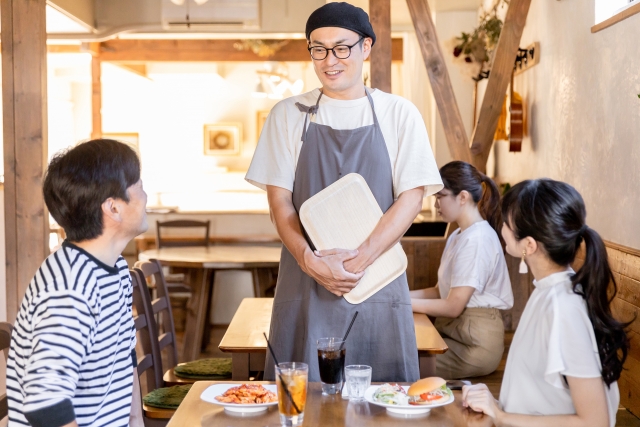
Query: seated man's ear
[(112, 210)]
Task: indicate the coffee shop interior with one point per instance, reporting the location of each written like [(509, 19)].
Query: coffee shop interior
[(521, 88)]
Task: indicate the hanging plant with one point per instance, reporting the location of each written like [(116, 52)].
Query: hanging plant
[(474, 51)]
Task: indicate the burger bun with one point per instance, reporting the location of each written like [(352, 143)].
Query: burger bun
[(425, 385)]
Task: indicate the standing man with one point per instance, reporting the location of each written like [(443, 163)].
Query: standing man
[(309, 142)]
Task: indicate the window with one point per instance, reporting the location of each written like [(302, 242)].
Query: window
[(608, 12)]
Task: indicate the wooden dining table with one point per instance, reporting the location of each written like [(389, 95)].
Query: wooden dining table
[(248, 348), (325, 411), (202, 263)]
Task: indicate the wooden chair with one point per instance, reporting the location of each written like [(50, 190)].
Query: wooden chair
[(5, 342), (150, 363), (176, 278), (161, 308), (183, 241)]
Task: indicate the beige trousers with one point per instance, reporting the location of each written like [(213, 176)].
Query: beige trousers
[(476, 343)]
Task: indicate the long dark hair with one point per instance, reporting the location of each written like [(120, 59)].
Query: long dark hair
[(458, 176), (553, 213)]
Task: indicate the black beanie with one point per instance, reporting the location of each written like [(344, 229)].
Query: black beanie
[(343, 15)]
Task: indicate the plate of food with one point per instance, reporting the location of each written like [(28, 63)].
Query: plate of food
[(242, 398), (420, 398)]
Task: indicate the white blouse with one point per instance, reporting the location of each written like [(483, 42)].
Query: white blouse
[(475, 258), (554, 339)]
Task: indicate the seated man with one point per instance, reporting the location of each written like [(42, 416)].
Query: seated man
[(72, 355)]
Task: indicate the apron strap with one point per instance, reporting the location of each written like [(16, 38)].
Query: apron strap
[(308, 111), (373, 110)]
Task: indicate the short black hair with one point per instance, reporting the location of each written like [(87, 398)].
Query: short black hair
[(80, 179)]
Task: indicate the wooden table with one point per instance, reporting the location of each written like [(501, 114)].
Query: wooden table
[(248, 347), (204, 261), (325, 411)]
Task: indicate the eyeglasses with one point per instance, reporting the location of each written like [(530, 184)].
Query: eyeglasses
[(341, 51)]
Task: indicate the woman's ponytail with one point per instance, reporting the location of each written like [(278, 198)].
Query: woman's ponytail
[(489, 204), (458, 176), (593, 282)]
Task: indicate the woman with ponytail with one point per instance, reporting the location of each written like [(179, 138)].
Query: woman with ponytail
[(568, 350), (473, 281)]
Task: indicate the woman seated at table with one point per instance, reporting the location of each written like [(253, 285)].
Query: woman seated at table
[(473, 281), (568, 350)]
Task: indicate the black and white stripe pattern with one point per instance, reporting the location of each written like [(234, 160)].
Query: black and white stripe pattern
[(70, 353)]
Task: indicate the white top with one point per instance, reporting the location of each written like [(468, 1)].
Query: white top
[(403, 129), (554, 338), (474, 257)]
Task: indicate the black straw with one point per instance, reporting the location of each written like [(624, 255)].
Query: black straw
[(284, 385), (348, 330)]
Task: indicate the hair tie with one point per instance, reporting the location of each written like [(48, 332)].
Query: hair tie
[(583, 230)]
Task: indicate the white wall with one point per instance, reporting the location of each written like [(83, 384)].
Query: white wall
[(583, 112)]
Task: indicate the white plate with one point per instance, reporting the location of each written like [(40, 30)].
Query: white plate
[(402, 409), (209, 395)]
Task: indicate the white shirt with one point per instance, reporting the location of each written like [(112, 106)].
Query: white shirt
[(403, 129), (554, 338), (474, 257)]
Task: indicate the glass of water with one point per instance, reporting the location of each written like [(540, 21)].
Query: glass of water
[(358, 380)]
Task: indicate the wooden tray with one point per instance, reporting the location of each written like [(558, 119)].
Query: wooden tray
[(342, 216)]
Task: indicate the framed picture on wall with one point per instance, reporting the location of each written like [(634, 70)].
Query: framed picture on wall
[(262, 118), (129, 138), (222, 139)]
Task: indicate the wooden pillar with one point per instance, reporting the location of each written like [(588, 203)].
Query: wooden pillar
[(439, 77), (96, 92), (501, 71), (24, 98), (380, 14)]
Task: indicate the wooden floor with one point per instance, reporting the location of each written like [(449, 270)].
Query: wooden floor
[(493, 381)]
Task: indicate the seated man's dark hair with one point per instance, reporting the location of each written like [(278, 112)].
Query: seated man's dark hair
[(80, 179)]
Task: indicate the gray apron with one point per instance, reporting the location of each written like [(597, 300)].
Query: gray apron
[(383, 335)]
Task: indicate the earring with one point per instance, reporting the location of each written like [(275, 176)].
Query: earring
[(523, 265)]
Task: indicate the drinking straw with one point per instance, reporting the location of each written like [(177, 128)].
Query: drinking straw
[(342, 345), (284, 385), (348, 330)]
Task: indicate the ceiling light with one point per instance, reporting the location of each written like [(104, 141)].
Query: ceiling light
[(178, 2)]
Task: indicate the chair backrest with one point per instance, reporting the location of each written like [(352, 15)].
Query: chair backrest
[(5, 342), (161, 307), (203, 240), (150, 363)]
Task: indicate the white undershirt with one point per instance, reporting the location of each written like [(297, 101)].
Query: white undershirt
[(474, 258), (405, 135), (554, 338)]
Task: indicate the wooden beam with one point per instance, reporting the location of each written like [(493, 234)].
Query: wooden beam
[(24, 99), (501, 70), (139, 69), (380, 13), (206, 50), (439, 78), (96, 92)]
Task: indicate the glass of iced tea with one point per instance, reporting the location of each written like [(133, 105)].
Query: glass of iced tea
[(331, 353), (291, 401)]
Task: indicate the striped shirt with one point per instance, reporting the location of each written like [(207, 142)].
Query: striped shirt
[(73, 343)]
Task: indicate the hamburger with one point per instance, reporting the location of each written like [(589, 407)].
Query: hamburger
[(429, 391)]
